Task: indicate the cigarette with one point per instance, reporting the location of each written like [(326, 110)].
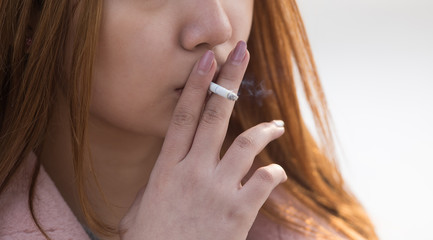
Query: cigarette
[(223, 92)]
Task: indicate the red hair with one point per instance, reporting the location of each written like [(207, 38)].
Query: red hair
[(278, 45)]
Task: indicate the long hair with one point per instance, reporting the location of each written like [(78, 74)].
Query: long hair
[(278, 46)]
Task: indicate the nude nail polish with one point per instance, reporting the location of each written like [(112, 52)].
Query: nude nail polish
[(206, 62), (278, 123), (239, 52)]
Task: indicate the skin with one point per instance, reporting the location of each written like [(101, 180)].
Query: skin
[(145, 133)]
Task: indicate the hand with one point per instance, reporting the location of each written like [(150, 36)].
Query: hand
[(192, 193)]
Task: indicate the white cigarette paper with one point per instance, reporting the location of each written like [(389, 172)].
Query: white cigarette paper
[(223, 92)]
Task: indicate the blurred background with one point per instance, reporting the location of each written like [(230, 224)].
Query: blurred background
[(375, 59)]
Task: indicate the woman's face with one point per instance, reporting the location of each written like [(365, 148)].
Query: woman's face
[(146, 51)]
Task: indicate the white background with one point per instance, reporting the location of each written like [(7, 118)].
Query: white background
[(375, 59)]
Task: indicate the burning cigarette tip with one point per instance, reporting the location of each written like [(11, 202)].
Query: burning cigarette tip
[(232, 96)]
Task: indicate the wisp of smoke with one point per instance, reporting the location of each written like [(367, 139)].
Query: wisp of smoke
[(251, 88)]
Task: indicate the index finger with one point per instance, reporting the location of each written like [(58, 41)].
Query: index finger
[(213, 125), (187, 112)]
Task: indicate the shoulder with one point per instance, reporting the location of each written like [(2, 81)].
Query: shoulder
[(49, 207), (315, 227)]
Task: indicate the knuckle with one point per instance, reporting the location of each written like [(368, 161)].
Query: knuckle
[(212, 115), (245, 142), (239, 213), (183, 118), (265, 175), (193, 180)]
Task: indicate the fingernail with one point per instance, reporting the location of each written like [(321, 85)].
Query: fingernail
[(206, 62), (239, 52), (278, 123)]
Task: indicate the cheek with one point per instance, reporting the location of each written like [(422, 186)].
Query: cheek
[(134, 113), (129, 98), (129, 88), (135, 103)]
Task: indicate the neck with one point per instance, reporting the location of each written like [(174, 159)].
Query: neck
[(122, 163)]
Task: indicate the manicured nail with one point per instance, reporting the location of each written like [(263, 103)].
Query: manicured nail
[(278, 123), (239, 52), (206, 62)]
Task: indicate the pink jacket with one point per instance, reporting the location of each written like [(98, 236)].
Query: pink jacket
[(60, 223)]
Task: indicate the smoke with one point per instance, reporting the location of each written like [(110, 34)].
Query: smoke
[(252, 89)]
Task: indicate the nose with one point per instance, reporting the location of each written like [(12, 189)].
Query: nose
[(207, 25)]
